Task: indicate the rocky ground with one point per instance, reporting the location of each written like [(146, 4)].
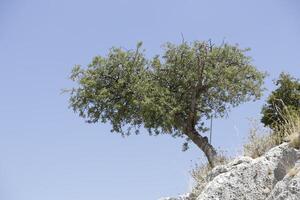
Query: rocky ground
[(274, 176)]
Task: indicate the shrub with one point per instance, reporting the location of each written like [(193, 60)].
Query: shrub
[(286, 98)]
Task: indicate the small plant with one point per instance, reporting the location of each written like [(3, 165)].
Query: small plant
[(199, 174)]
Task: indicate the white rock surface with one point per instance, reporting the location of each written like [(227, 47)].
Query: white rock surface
[(249, 179), (289, 187)]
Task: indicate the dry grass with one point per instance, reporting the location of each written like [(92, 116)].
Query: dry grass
[(286, 130), (294, 140), (293, 172), (260, 140)]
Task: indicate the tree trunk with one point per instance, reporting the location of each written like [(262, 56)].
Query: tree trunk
[(202, 143)]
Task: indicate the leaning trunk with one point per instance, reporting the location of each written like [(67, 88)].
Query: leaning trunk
[(203, 144)]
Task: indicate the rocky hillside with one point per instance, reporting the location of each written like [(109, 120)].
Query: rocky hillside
[(274, 176)]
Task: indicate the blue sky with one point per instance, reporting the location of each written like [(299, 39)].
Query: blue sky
[(47, 152)]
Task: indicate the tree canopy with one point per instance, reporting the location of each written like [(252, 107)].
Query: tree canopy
[(285, 99), (173, 93)]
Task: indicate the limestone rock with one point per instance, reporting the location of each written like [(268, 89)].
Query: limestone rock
[(289, 187), (249, 179)]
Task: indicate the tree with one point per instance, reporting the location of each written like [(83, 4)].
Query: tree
[(282, 101), (169, 94)]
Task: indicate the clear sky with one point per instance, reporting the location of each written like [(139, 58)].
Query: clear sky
[(49, 153)]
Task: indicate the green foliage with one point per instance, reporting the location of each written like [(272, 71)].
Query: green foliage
[(283, 102), (167, 93)]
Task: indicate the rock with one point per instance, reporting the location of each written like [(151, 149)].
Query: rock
[(249, 179), (273, 176), (225, 168), (289, 187)]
